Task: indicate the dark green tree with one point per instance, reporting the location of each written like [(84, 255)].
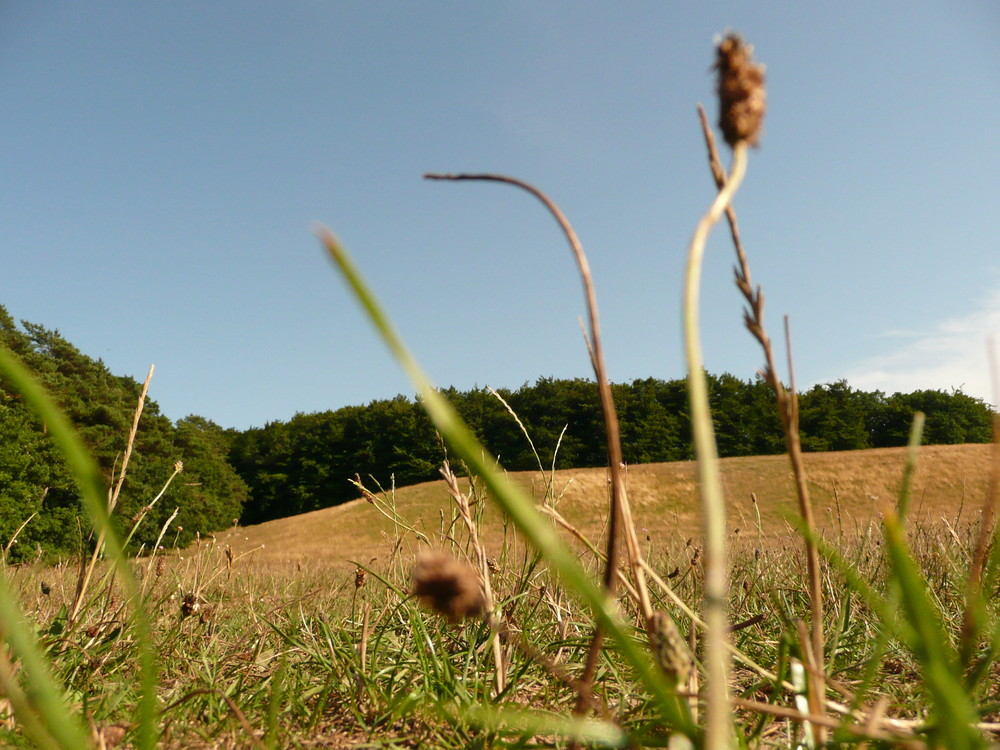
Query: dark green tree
[(834, 417), (101, 407)]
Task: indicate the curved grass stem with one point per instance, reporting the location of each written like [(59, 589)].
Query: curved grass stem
[(718, 729), (620, 516)]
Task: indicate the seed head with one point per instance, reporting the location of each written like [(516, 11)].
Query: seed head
[(742, 98), (448, 586), (669, 648), (189, 605)]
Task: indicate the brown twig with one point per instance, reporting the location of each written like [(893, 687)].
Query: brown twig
[(787, 403), (612, 431)]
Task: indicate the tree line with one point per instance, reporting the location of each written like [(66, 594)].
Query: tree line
[(307, 462)]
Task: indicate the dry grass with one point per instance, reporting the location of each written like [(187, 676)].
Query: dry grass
[(844, 486)]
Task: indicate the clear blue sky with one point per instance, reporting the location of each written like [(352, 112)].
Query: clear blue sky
[(162, 165)]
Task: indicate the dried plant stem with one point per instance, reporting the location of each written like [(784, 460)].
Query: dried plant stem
[(787, 411), (718, 729), (612, 431), (113, 495), (972, 619), (462, 502), (871, 731)]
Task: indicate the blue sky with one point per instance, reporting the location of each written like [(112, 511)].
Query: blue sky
[(163, 165)]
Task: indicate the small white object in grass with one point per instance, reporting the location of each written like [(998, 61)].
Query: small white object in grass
[(800, 683)]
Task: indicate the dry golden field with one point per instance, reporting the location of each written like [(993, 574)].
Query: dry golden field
[(846, 488)]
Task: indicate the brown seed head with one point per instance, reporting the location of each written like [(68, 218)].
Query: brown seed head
[(448, 586), (189, 605), (359, 577), (742, 98)]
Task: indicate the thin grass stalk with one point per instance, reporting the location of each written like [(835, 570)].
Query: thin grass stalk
[(524, 431), (178, 468), (482, 561), (113, 495), (611, 426), (93, 494), (787, 405), (972, 619), (719, 725), (512, 500), (17, 532), (154, 555)]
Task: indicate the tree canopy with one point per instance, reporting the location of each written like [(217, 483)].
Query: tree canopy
[(307, 463), (208, 494)]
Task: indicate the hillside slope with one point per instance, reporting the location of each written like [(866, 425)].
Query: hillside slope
[(950, 482)]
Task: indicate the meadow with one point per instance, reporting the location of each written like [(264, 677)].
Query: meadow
[(303, 632), (796, 601), (846, 487)]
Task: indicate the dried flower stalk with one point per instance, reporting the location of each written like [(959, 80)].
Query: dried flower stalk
[(742, 105)]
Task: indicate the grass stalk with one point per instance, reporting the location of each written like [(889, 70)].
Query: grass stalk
[(787, 403), (482, 561), (619, 501), (719, 726), (113, 495), (512, 500), (93, 494)]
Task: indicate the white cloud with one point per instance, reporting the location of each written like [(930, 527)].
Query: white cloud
[(955, 354)]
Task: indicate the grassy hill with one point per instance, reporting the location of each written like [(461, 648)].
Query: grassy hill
[(950, 483)]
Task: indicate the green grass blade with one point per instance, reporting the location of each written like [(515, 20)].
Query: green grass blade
[(954, 709), (497, 719), (913, 446), (94, 495), (41, 708), (955, 712), (518, 506)]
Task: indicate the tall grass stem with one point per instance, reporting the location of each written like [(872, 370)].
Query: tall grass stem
[(719, 726)]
